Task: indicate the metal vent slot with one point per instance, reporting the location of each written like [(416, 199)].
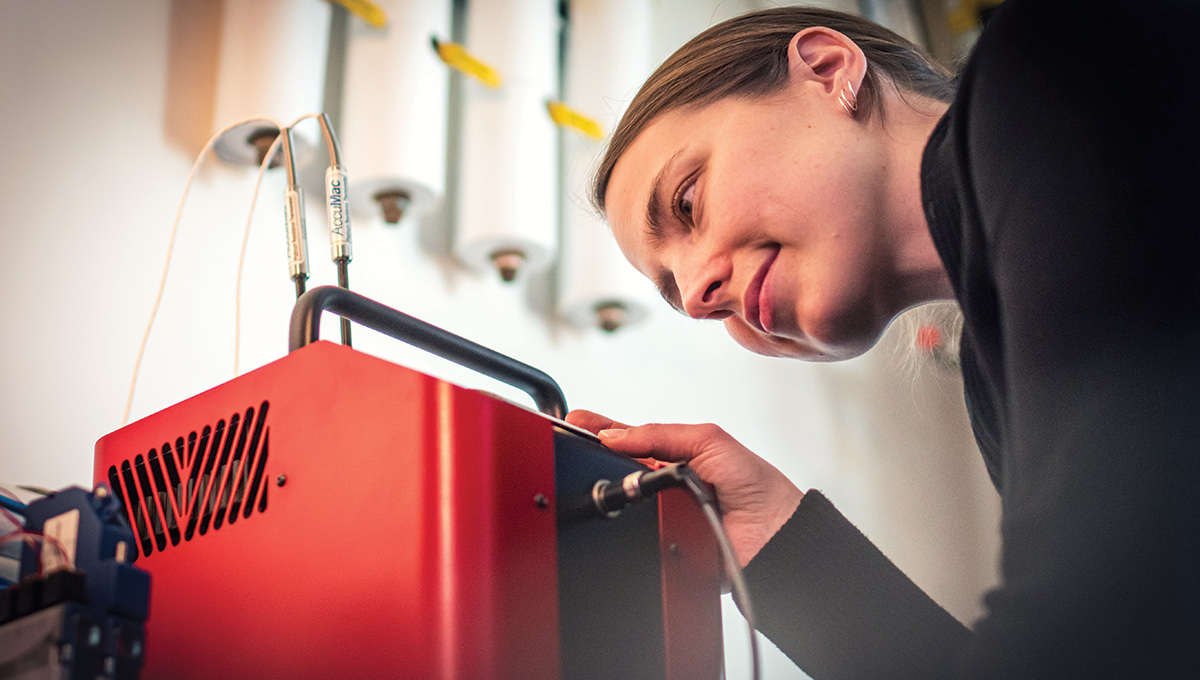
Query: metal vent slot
[(258, 477), (172, 469), (200, 480), (218, 476), (247, 463), (164, 496), (231, 471), (147, 495)]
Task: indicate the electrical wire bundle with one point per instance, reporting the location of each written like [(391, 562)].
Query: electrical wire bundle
[(339, 222), (609, 498), (10, 508)]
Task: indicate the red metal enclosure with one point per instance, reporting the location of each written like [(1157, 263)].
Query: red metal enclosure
[(333, 514)]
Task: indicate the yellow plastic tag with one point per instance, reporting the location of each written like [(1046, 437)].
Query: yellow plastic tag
[(457, 57), (366, 10), (967, 14), (565, 116)]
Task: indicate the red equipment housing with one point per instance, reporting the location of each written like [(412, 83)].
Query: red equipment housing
[(333, 513)]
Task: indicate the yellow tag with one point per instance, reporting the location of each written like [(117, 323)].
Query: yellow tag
[(366, 10), (565, 116), (457, 57), (964, 17), (967, 14)]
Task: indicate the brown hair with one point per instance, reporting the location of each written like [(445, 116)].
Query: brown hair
[(747, 57)]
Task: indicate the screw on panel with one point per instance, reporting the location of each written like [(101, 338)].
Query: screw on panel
[(281, 480), (541, 501), (673, 548)]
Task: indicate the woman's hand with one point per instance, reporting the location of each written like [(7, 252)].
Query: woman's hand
[(756, 498)]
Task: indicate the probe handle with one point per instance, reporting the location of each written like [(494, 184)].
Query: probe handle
[(306, 328)]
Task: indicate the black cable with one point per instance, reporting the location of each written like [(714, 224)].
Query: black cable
[(737, 581), (343, 270), (610, 498)]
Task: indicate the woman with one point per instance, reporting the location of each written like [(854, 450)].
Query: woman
[(804, 177)]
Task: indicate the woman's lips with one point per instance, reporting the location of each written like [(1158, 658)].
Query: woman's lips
[(756, 299)]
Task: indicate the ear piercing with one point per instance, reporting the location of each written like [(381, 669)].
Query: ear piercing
[(849, 103)]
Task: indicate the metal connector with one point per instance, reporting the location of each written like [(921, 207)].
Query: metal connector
[(297, 238), (339, 213), (637, 486)]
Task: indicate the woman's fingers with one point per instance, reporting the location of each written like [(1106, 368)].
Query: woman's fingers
[(592, 422), (663, 442), (756, 498)]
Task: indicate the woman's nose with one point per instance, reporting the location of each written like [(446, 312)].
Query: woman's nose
[(706, 292)]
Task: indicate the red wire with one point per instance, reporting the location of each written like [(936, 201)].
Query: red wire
[(18, 527), (31, 537), (11, 517)]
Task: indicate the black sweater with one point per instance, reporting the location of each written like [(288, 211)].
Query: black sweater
[(1062, 189)]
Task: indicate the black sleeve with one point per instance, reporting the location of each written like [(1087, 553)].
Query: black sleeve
[(1081, 129), (838, 608), (1080, 123)]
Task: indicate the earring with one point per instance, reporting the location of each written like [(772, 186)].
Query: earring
[(849, 103)]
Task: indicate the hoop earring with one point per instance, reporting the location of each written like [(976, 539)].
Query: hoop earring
[(851, 103)]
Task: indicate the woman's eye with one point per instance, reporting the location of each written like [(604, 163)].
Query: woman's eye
[(684, 202)]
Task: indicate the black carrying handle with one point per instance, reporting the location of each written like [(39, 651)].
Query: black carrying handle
[(306, 328)]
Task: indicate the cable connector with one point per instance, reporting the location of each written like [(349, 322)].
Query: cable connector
[(338, 206), (610, 498), (293, 217), (339, 214), (336, 199), (297, 239)]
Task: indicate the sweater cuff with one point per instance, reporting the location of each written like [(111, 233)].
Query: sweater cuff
[(831, 601)]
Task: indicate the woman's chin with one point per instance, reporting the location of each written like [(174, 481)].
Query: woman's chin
[(767, 344), (819, 346), (845, 332)]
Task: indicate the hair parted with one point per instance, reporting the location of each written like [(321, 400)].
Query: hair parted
[(746, 56)]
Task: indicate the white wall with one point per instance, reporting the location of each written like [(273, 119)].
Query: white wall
[(103, 116)]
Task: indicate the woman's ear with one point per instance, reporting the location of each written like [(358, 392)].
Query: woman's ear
[(828, 58)]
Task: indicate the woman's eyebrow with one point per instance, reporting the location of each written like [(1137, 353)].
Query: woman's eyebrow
[(656, 214)]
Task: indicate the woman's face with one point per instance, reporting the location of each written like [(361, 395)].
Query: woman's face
[(765, 214)]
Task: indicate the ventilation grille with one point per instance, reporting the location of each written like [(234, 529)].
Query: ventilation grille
[(201, 482)]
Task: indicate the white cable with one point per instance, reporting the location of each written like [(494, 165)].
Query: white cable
[(162, 283), (237, 305)]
